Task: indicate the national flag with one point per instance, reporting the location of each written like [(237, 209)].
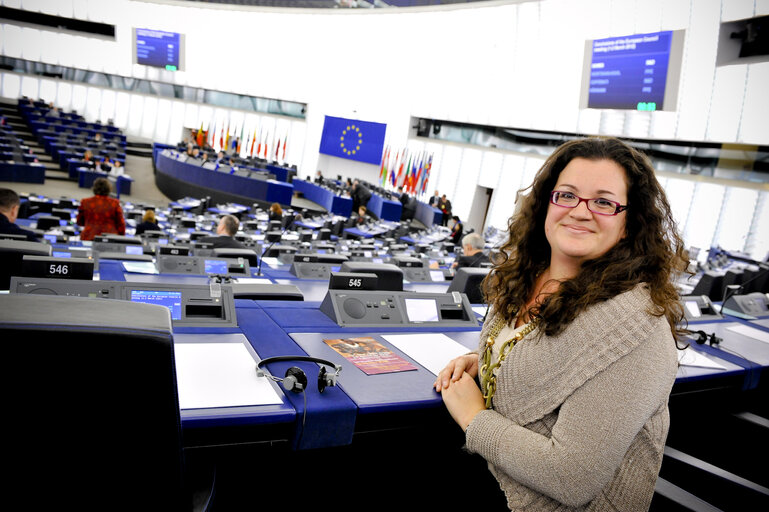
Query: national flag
[(199, 138), (383, 167), (283, 160), (427, 173), (277, 148)]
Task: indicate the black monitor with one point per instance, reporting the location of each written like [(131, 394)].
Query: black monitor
[(710, 285), (389, 277), (273, 236), (468, 280), (46, 222), (247, 254), (12, 253)]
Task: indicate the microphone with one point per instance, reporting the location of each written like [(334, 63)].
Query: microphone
[(736, 289), (261, 258)]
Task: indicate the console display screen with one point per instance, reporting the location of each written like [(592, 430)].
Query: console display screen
[(171, 300), (134, 249), (422, 310), (215, 267)]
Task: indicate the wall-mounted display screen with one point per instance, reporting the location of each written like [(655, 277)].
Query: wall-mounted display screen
[(171, 300), (159, 49), (637, 72)]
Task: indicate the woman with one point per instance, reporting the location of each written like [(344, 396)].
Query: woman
[(578, 352), (276, 212), (148, 223), (100, 213), (457, 231)]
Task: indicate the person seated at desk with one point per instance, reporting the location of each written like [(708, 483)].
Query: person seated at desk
[(148, 223), (360, 195), (88, 160), (225, 231), (578, 352), (105, 165), (457, 230), (117, 169), (276, 212), (222, 159), (9, 212), (319, 177), (361, 220), (100, 213), (472, 247)]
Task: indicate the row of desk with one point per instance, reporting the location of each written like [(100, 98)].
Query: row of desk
[(363, 402)]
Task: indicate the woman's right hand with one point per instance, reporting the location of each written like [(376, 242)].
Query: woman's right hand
[(467, 363)]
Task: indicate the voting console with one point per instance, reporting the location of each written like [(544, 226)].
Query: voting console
[(190, 305), (382, 308)]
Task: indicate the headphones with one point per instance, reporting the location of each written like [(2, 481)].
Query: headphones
[(702, 337), (295, 379)]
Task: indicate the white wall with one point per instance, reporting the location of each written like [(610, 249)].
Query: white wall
[(515, 64)]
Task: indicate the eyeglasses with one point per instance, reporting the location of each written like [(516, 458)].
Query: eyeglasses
[(598, 205)]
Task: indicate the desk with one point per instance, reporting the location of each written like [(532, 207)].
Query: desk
[(333, 203), (385, 209), (176, 178), (22, 172)]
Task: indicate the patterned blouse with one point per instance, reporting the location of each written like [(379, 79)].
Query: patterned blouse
[(100, 214)]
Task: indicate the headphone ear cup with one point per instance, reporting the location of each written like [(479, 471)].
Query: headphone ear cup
[(322, 379), (295, 380)]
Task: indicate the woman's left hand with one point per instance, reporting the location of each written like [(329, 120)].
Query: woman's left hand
[(463, 400)]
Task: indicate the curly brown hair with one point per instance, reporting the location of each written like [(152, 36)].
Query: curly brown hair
[(652, 252)]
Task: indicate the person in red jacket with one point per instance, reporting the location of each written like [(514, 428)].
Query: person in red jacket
[(100, 213)]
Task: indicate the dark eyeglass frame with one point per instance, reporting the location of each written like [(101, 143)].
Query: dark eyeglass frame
[(618, 208)]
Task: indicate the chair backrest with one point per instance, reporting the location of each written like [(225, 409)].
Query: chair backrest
[(11, 255), (95, 411), (468, 280)]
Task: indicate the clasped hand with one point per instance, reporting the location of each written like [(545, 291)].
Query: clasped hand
[(456, 383)]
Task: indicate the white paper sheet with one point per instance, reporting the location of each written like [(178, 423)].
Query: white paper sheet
[(219, 375), (140, 267), (431, 350), (691, 357), (750, 332)]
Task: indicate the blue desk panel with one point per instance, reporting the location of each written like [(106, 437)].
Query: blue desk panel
[(270, 191), (428, 215), (22, 172), (385, 209), (324, 197)]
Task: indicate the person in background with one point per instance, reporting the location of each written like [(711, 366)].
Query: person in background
[(361, 220), (276, 212), (319, 177), (117, 169), (105, 165), (444, 205), (9, 212), (100, 213), (578, 352), (473, 255), (88, 160), (434, 200), (457, 230), (148, 223), (225, 231)]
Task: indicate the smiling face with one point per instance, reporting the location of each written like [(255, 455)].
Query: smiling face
[(577, 234)]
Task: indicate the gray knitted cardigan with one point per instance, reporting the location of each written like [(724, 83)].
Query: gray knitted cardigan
[(580, 419)]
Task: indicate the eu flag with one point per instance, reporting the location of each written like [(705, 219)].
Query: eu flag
[(357, 140)]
